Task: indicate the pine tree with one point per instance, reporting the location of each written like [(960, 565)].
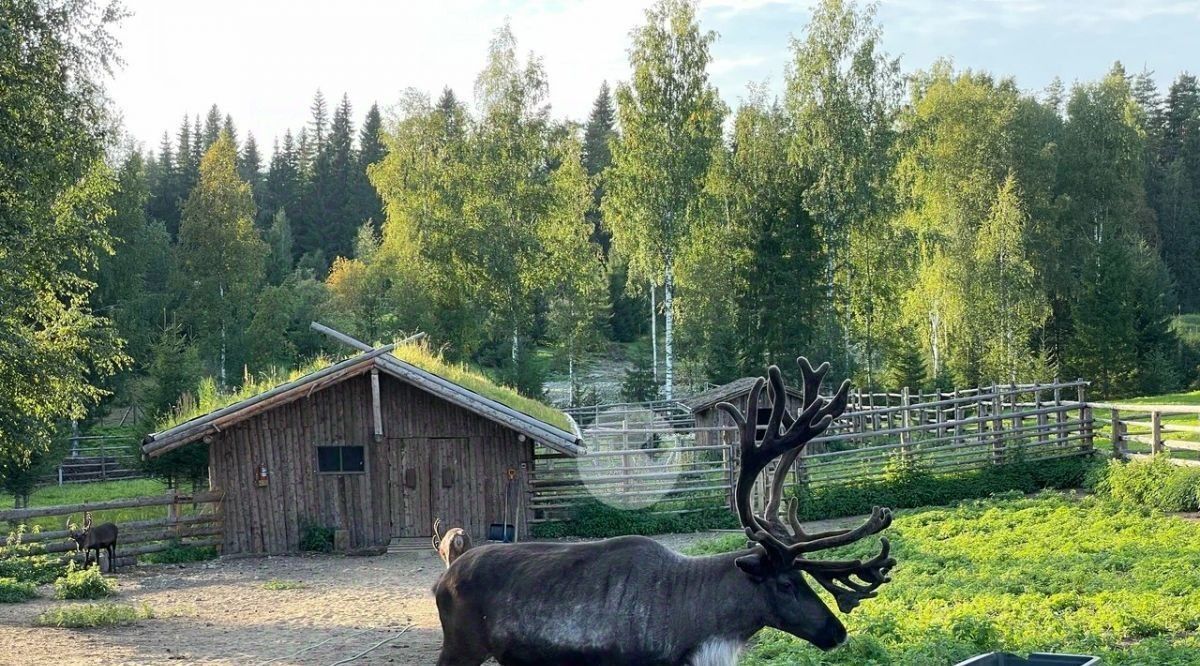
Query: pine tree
[(163, 204), (319, 122)]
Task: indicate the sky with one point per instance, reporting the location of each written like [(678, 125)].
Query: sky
[(262, 60)]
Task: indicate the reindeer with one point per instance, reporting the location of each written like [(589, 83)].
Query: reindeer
[(450, 545), (94, 538), (631, 600)]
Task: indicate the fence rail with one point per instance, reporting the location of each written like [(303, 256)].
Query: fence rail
[(190, 520), (1137, 430), (673, 464)]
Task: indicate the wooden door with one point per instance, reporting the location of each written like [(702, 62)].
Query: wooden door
[(454, 499), (409, 487), (427, 480)]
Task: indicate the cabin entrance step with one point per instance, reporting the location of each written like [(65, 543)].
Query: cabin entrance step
[(410, 545)]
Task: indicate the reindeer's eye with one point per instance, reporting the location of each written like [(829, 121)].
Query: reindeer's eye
[(786, 586)]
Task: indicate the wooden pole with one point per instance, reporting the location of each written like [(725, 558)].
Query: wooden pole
[(1156, 444), (1117, 445), (1085, 415)]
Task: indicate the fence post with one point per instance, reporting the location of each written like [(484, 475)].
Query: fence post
[(103, 462), (1060, 417), (1043, 435), (1156, 445), (997, 426), (905, 421), (1018, 420), (958, 417), (1085, 416), (1118, 445)]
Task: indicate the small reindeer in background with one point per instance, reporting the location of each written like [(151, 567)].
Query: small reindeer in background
[(450, 545), (94, 538)]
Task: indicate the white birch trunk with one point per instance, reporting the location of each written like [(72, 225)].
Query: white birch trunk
[(669, 329), (516, 344), (653, 333), (221, 290)]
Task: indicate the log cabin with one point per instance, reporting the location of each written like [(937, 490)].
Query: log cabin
[(374, 448)]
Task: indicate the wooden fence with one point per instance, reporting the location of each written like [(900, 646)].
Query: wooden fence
[(1137, 431), (659, 463), (189, 520), (97, 458)]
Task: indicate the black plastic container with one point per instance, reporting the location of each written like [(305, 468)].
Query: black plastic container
[(501, 532), (1035, 659)]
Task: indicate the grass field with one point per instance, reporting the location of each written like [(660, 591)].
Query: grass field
[(1143, 426), (1052, 573), (77, 493)]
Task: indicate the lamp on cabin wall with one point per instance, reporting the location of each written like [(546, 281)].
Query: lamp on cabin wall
[(260, 475)]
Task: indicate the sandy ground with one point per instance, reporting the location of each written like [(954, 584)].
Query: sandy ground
[(219, 613)]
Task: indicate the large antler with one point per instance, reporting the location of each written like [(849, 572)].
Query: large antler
[(785, 438)]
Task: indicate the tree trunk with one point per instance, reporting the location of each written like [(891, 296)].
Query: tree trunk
[(516, 343), (669, 329), (653, 333), (221, 290)]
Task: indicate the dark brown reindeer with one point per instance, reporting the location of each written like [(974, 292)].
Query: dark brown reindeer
[(451, 544), (94, 538), (631, 600)]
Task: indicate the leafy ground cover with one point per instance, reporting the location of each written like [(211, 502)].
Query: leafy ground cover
[(91, 616), (1050, 573)]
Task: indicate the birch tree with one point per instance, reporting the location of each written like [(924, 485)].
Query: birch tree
[(670, 120)]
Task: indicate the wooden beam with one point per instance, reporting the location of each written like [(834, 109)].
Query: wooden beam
[(354, 342), (376, 410)]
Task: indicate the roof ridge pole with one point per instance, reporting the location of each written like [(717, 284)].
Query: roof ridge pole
[(355, 342)]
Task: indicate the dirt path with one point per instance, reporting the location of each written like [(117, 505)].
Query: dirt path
[(220, 613)]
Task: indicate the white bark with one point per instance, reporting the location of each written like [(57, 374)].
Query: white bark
[(653, 333), (516, 342), (221, 289), (669, 329)]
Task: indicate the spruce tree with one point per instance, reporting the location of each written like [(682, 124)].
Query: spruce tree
[(597, 156), (212, 127), (368, 205)]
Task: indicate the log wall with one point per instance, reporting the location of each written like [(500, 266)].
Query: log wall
[(434, 460)]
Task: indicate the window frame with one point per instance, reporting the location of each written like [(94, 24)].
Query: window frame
[(341, 459)]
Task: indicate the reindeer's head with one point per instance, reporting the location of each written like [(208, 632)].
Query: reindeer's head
[(79, 536), (778, 551)]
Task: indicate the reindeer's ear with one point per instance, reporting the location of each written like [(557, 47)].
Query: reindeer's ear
[(756, 564)]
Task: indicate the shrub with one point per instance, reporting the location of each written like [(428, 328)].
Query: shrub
[(14, 591), (598, 520), (86, 583), (179, 554), (905, 486), (276, 584), (1155, 484), (26, 562), (89, 616), (316, 538)]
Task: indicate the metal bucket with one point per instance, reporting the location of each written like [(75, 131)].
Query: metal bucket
[(502, 532), (1035, 659)]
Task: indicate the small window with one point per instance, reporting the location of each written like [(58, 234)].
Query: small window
[(335, 459)]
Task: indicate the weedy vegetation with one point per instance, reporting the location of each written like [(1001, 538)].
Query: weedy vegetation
[(15, 591), (92, 616), (1056, 573), (80, 583), (276, 584)]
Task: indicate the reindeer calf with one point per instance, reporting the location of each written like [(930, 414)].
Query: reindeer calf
[(451, 544)]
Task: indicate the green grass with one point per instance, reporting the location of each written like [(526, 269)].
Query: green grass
[(1049, 573), (77, 493), (209, 399), (91, 616), (276, 584), (420, 356), (1142, 426)]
